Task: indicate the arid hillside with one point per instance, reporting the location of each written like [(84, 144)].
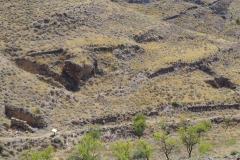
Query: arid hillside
[(70, 64)]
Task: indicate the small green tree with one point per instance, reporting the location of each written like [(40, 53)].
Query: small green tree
[(145, 148), (166, 142), (139, 124), (204, 147), (88, 149), (190, 135), (121, 149)]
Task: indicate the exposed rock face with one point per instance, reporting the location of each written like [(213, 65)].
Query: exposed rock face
[(219, 82), (49, 80), (212, 82), (122, 51), (103, 49), (224, 82), (201, 64), (220, 6), (56, 51), (221, 119), (163, 70), (71, 76), (131, 47), (140, 1), (44, 70), (214, 107), (195, 1), (149, 36), (24, 115), (117, 132), (116, 118), (78, 72), (22, 124)]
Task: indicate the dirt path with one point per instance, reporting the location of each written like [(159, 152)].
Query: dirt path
[(45, 135)]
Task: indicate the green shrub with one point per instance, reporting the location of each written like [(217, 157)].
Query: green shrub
[(145, 147), (139, 155), (204, 147), (121, 149), (5, 154), (232, 142), (183, 123), (203, 126), (175, 103), (238, 21), (139, 124), (223, 17), (163, 124), (94, 131), (37, 110), (233, 152), (45, 154), (25, 154), (88, 149)]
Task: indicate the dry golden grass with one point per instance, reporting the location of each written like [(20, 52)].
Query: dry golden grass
[(124, 85)]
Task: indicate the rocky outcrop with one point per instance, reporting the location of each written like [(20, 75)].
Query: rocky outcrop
[(161, 71), (116, 118), (37, 53), (220, 6), (71, 77), (199, 2), (21, 124), (149, 36), (103, 49), (140, 1), (172, 17), (219, 82), (113, 133), (42, 69), (24, 115), (122, 51), (132, 47), (201, 64), (49, 80), (224, 82), (222, 119), (212, 82), (179, 14), (214, 107), (79, 72)]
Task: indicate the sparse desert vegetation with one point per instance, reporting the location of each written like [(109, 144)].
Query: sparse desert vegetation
[(119, 79)]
